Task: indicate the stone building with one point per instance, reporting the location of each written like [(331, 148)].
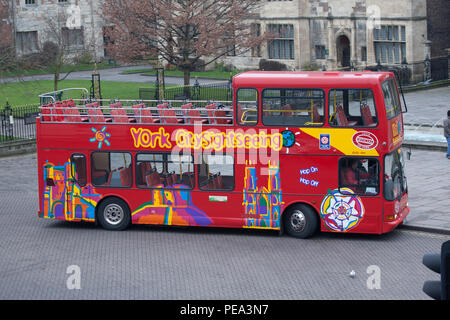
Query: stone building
[(336, 34), (77, 24), (308, 34)]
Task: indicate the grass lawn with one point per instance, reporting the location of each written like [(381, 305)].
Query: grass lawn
[(80, 67), (207, 74), (25, 93)]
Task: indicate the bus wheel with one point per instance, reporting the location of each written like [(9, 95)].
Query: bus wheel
[(113, 214), (300, 221)]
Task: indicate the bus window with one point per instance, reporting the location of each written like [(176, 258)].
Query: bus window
[(293, 107), (394, 175), (111, 169), (352, 107), (79, 168), (216, 172), (247, 106), (391, 99), (158, 170), (360, 175)]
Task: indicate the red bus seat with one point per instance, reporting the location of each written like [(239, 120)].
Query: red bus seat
[(46, 112), (58, 111), (367, 116), (186, 108), (195, 116), (137, 108), (72, 114), (316, 115), (220, 117), (210, 110), (289, 108), (342, 118), (170, 116), (125, 177), (119, 114), (95, 114)]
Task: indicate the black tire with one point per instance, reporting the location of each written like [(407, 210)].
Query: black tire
[(114, 214), (300, 221)]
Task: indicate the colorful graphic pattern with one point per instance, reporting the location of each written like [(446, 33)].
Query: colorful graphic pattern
[(341, 212), (100, 137), (63, 198), (262, 206), (172, 206)]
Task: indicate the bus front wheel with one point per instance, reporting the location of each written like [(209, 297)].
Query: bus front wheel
[(300, 221), (113, 214)]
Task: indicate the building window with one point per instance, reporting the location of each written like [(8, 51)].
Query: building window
[(363, 53), (390, 44), (27, 42), (216, 172), (282, 44), (320, 52), (27, 2), (256, 31), (73, 38)]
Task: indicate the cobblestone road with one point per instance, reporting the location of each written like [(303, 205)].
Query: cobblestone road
[(194, 263)]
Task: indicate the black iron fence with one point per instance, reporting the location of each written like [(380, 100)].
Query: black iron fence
[(220, 91), (18, 123)]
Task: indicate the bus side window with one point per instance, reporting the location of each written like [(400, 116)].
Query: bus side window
[(79, 172), (216, 172), (352, 107), (111, 169), (293, 107), (361, 175), (163, 170), (247, 106)]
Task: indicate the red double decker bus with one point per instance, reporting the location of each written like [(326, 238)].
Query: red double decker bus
[(293, 151)]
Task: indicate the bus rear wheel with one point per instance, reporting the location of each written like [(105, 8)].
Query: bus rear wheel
[(113, 214), (300, 221)]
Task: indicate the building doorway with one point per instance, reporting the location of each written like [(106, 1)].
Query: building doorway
[(343, 51)]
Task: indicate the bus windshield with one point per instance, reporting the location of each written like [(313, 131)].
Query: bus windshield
[(394, 175), (391, 99)]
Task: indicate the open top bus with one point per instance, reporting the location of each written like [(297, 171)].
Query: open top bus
[(293, 151)]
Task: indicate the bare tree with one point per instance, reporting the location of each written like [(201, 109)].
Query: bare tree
[(8, 61), (187, 34), (62, 46)]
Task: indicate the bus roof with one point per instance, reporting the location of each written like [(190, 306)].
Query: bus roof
[(309, 79)]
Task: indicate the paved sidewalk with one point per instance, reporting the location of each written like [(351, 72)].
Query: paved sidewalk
[(428, 174), (113, 74)]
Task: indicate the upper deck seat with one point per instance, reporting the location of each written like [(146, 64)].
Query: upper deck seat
[(46, 112), (72, 114), (195, 116), (169, 116), (210, 108), (58, 111), (137, 109), (95, 114), (221, 117), (119, 114), (367, 116), (341, 118)]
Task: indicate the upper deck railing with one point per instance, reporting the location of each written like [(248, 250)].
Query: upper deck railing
[(133, 111)]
